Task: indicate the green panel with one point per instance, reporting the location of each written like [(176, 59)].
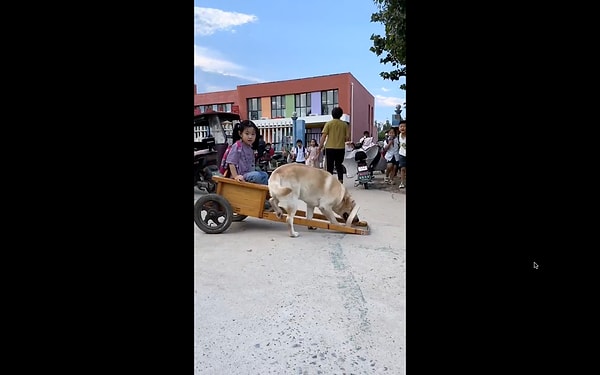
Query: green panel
[(289, 105)]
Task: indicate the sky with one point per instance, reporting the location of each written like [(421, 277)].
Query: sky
[(240, 42)]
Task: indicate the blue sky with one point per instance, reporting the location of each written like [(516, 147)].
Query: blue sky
[(239, 42)]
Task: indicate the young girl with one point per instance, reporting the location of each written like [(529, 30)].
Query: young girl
[(241, 158), (313, 154), (391, 155), (402, 154)]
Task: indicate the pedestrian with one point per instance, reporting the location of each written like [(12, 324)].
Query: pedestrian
[(390, 151), (299, 152), (313, 154), (335, 136), (363, 139), (402, 154)]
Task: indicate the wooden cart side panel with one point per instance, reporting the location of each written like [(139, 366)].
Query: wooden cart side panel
[(245, 200)]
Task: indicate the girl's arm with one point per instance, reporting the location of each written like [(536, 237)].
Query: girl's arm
[(233, 158), (234, 174), (387, 145)]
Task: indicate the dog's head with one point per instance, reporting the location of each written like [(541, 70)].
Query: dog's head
[(347, 207)]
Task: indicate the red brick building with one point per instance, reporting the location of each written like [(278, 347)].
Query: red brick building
[(271, 104)]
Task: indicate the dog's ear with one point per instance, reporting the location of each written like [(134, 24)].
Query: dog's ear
[(348, 201)]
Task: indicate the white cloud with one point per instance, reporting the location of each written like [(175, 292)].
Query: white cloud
[(388, 101), (209, 20), (211, 61), (213, 88), (384, 89)]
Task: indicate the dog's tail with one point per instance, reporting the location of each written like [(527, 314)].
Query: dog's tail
[(275, 188)]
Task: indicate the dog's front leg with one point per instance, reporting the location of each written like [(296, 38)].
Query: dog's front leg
[(330, 215)]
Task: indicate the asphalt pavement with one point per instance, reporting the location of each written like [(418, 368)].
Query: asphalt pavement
[(325, 302)]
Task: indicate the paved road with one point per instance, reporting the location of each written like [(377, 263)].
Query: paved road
[(322, 303)]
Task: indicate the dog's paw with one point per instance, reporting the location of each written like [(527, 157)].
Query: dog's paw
[(312, 228), (279, 214), (294, 234)]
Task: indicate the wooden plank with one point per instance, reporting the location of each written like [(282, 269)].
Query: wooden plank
[(317, 223), (319, 216)]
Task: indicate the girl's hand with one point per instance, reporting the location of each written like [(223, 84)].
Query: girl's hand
[(239, 177)]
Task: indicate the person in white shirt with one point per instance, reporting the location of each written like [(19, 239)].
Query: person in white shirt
[(299, 153), (390, 151), (402, 154)]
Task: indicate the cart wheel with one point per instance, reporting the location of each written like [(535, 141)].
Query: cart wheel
[(212, 213), (238, 217), (366, 186)]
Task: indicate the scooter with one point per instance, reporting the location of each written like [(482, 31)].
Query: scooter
[(361, 160)]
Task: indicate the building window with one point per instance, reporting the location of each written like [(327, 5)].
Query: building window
[(224, 107), (277, 106), (254, 110), (302, 104), (329, 100)]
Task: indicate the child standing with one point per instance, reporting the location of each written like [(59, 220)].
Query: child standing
[(402, 154), (391, 155), (299, 152), (313, 154)]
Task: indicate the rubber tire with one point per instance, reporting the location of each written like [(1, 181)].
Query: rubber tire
[(366, 185), (237, 218), (223, 210)]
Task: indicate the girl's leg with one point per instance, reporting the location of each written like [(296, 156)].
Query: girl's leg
[(257, 177), (402, 177), (388, 172)]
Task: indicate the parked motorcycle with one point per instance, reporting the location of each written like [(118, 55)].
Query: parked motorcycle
[(360, 161), (279, 159), (210, 143)]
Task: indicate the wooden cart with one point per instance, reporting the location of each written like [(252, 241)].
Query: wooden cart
[(234, 201)]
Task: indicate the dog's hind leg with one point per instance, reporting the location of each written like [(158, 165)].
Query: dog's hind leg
[(291, 210), (274, 202), (309, 215)]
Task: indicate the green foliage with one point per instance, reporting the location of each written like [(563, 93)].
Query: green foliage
[(392, 47), (383, 129)]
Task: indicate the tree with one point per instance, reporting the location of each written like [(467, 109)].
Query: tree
[(383, 129), (392, 14)]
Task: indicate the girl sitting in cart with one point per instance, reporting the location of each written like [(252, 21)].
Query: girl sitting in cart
[(241, 158)]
